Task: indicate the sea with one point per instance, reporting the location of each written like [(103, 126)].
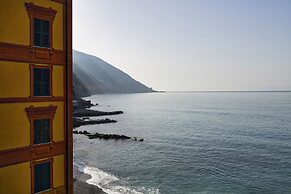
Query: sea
[(194, 142)]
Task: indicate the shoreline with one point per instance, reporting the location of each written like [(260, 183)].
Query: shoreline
[(80, 186)]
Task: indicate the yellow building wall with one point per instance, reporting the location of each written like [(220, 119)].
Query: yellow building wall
[(15, 126), (58, 80), (16, 21), (15, 179), (15, 79), (14, 17), (58, 127), (59, 171)]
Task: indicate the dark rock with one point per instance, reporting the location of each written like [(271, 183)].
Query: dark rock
[(79, 122), (80, 103), (91, 113), (107, 136)]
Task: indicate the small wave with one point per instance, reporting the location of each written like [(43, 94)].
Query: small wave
[(106, 181)]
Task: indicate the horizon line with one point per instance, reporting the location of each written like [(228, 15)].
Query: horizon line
[(227, 91)]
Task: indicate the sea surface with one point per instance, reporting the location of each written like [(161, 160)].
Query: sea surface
[(195, 142)]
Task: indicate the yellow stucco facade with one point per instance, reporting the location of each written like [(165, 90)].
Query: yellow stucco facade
[(13, 116), (19, 175), (19, 84), (24, 100), (16, 21)]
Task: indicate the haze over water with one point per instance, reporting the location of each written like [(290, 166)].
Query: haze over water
[(220, 142)]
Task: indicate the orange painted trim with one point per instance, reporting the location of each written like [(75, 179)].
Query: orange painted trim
[(32, 99), (58, 190), (60, 1), (69, 96), (28, 153), (32, 164), (22, 53)]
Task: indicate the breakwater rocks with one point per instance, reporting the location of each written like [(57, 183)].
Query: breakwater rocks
[(81, 114), (92, 113), (77, 122), (107, 136)]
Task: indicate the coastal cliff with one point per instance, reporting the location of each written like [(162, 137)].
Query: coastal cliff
[(93, 76)]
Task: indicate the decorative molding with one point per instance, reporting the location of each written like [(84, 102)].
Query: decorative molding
[(41, 112), (22, 53), (38, 11), (32, 164), (32, 99), (35, 11), (60, 1), (28, 153)]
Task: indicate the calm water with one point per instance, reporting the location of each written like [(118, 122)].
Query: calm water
[(194, 143)]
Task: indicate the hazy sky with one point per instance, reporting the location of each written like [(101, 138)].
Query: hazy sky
[(190, 44)]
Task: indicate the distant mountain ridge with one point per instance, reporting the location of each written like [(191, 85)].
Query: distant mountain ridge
[(92, 75)]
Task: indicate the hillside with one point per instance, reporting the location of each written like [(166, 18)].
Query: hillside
[(92, 76)]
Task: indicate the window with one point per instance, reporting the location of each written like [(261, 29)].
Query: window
[(41, 124), (41, 33), (41, 81), (41, 131), (41, 25), (42, 176)]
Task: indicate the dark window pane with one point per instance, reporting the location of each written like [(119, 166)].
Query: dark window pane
[(41, 82), (36, 89), (41, 131), (45, 26), (36, 40), (37, 174), (45, 41), (37, 25), (46, 89), (37, 75), (42, 177), (46, 176), (45, 75)]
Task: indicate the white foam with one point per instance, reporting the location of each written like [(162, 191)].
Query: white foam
[(105, 181)]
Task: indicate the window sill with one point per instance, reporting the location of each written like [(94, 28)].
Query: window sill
[(45, 191)]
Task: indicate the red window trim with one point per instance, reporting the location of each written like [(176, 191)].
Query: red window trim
[(32, 67), (32, 164), (36, 113)]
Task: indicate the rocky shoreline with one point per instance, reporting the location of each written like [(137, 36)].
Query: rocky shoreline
[(81, 114), (81, 186)]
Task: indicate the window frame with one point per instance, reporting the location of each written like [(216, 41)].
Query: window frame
[(32, 67), (43, 13), (37, 113), (32, 165)]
